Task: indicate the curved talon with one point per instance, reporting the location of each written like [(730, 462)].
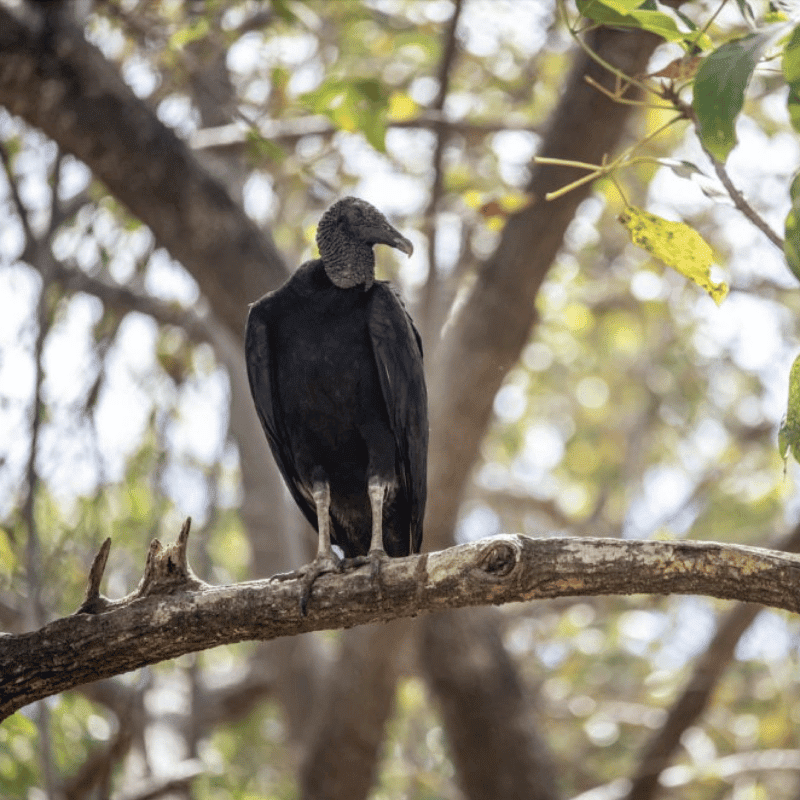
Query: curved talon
[(287, 576), (310, 572)]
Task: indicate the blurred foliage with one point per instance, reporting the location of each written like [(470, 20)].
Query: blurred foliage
[(638, 408)]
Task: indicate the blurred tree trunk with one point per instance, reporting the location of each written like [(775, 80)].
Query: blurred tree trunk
[(487, 711), (342, 756)]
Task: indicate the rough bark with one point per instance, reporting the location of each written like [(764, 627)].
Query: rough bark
[(56, 81), (172, 612)]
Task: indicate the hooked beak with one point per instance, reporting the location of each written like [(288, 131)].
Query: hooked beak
[(403, 244), (386, 234)]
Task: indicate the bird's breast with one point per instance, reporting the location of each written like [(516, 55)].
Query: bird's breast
[(327, 377)]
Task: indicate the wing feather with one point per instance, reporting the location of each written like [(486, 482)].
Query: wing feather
[(261, 377), (397, 348)]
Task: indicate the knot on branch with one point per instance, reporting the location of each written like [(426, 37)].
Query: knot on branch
[(166, 571), (499, 558)]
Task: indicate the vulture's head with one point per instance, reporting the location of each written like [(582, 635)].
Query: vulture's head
[(345, 236)]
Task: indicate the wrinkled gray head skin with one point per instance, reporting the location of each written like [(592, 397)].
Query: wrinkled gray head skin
[(345, 236)]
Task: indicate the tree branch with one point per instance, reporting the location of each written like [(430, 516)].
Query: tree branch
[(172, 612), (288, 131), (744, 207)]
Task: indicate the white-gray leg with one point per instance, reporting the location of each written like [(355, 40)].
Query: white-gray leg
[(326, 560), (377, 494), (322, 500)]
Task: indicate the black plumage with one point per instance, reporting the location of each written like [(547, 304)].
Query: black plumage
[(335, 368)]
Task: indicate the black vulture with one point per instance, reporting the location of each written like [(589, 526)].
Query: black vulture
[(335, 369)]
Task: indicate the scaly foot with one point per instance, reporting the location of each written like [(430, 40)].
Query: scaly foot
[(375, 559), (307, 574)]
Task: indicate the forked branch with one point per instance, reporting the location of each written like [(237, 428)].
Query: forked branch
[(172, 612)]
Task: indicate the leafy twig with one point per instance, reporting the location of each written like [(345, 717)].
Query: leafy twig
[(600, 170)]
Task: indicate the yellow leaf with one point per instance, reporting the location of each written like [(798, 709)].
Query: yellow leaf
[(473, 198), (495, 224), (677, 245), (8, 560), (401, 107), (514, 201), (345, 119)]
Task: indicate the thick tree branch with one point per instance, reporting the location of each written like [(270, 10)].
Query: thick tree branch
[(172, 612)]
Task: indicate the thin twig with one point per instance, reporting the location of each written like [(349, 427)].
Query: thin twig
[(124, 299), (288, 131), (743, 206), (618, 98), (607, 168)]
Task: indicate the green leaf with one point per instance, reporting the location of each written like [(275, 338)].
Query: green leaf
[(191, 33), (645, 16), (789, 433), (616, 6), (719, 90), (677, 245), (284, 10), (263, 149), (8, 559), (791, 71), (360, 104), (791, 241)]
